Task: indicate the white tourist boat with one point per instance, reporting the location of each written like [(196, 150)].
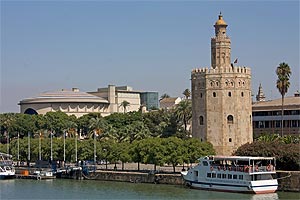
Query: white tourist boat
[(7, 169), (233, 174)]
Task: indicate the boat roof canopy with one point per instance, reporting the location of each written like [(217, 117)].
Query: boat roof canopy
[(242, 158)]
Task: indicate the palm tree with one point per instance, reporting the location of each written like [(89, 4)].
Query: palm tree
[(97, 126), (183, 112), (125, 104), (165, 95), (283, 72), (187, 93)]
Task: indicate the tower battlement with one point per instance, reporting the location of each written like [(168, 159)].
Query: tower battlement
[(238, 69)]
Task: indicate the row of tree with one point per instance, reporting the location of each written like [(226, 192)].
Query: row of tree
[(157, 151), (117, 126)]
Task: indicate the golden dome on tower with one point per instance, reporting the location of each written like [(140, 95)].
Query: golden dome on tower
[(220, 21)]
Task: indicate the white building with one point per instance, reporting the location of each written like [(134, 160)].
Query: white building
[(74, 102)]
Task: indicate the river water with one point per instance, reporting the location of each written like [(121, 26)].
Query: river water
[(91, 189)]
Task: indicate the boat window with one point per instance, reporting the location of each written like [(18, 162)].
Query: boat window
[(219, 175), (241, 177), (196, 173), (223, 176), (229, 176), (208, 175), (234, 176), (213, 175), (205, 163)]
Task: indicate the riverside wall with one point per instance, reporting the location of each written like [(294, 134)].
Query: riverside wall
[(136, 177), (288, 181)]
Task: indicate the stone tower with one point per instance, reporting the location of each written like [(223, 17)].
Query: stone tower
[(221, 98)]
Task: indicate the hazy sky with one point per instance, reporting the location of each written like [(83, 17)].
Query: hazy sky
[(149, 45)]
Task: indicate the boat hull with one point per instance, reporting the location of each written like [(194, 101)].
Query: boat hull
[(263, 189), (2, 177)]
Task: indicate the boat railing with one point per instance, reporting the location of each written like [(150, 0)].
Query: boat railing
[(243, 168)]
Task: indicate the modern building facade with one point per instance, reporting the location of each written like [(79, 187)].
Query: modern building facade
[(74, 102), (221, 98), (267, 116), (150, 100)]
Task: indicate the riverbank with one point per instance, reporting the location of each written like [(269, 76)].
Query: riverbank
[(288, 181)]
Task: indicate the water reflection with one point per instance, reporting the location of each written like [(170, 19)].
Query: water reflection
[(265, 196)]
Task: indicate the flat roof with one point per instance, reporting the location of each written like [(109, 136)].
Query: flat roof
[(245, 158)]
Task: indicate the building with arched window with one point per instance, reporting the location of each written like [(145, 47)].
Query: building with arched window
[(74, 102), (221, 98)]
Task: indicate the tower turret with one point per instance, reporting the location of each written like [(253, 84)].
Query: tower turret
[(220, 45), (260, 95)]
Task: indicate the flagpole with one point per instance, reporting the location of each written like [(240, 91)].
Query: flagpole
[(76, 147), (64, 147), (95, 148), (18, 156), (28, 149), (7, 147), (40, 148), (51, 155)]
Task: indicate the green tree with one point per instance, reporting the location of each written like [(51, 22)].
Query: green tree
[(165, 95), (153, 151), (287, 155), (283, 72), (183, 112), (97, 126), (187, 93), (174, 151), (55, 122), (135, 152), (124, 104)]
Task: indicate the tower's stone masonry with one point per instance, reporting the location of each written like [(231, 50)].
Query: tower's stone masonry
[(221, 98)]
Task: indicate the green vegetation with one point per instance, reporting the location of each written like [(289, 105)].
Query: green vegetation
[(159, 137), (283, 72), (285, 149)]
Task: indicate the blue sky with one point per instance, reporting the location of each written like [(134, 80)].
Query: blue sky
[(149, 45)]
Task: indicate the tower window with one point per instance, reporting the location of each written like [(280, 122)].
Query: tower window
[(230, 140), (201, 95), (214, 94), (229, 94), (242, 94), (230, 119), (201, 120)]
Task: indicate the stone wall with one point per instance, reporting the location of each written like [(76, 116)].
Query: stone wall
[(289, 181), (136, 177)]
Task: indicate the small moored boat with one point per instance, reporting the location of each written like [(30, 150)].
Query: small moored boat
[(7, 170), (233, 174)]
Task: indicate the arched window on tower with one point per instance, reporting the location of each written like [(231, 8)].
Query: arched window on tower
[(201, 120), (230, 119), (214, 94)]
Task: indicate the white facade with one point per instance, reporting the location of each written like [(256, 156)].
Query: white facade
[(74, 102)]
